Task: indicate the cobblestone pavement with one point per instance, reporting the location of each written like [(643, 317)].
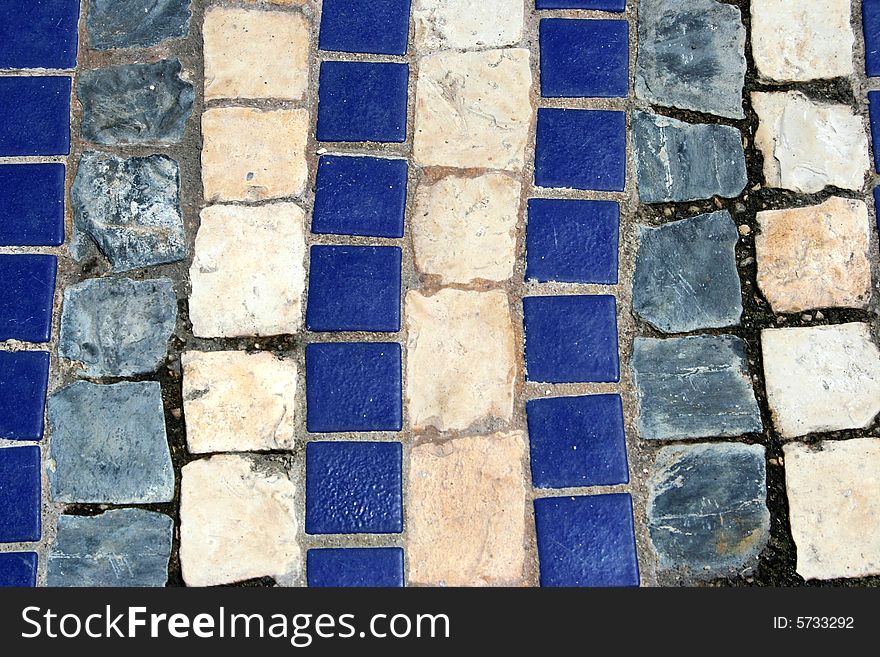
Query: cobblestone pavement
[(433, 292)]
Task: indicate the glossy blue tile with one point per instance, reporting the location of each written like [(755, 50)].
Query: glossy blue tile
[(361, 101), (19, 494), (572, 241), (601, 5), (581, 149), (354, 488), (34, 115), (27, 292), (584, 58), (871, 24), (354, 288), (31, 204), (38, 33), (353, 386), (18, 569), (571, 339), (577, 441), (874, 107), (586, 541), (24, 378), (360, 196), (355, 567), (372, 26)]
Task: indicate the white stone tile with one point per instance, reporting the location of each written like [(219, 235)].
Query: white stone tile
[(463, 24)]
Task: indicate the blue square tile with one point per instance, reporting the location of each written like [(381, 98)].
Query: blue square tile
[(874, 107), (38, 33), (571, 339), (353, 386), (19, 494), (24, 378), (360, 101), (600, 5), (27, 292), (372, 26), (354, 288), (18, 569), (31, 204), (360, 196), (577, 441), (572, 241), (871, 24), (586, 541), (34, 116), (355, 567), (584, 58), (581, 149), (354, 488)]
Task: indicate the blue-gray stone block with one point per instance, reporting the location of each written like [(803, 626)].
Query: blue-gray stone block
[(123, 547), (117, 326), (678, 161), (686, 277), (132, 23), (129, 209), (109, 444), (707, 508), (135, 103), (694, 387)]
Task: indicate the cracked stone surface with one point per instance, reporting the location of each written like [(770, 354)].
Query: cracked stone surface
[(462, 24), (131, 23)]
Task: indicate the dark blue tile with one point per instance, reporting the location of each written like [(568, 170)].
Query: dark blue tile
[(581, 149), (871, 23), (19, 494), (354, 288), (38, 33), (577, 441), (18, 569), (27, 292), (586, 541), (354, 488), (601, 5), (373, 26), (356, 567), (31, 204), (874, 106), (360, 196), (572, 241), (34, 116), (571, 339), (584, 58), (354, 386), (24, 378)]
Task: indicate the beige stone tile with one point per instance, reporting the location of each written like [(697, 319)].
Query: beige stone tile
[(463, 24), (466, 512), (234, 401), (253, 155), (248, 274)]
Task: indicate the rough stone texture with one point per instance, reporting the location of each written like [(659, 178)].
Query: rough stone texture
[(122, 547), (248, 274), (463, 24), (692, 56), (821, 378), (707, 509), (464, 228), (109, 444), (694, 387), (473, 109), (135, 103), (238, 521), (678, 161), (808, 146), (803, 40), (130, 23), (466, 512), (238, 402), (686, 277), (815, 257), (461, 358), (129, 209), (255, 54), (117, 326), (834, 507), (253, 155)]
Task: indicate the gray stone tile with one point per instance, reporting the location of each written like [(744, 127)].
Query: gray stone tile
[(131, 23)]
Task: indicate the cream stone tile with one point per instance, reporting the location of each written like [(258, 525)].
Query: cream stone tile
[(463, 24)]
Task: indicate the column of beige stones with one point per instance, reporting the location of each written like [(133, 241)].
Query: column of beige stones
[(238, 509), (466, 498)]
